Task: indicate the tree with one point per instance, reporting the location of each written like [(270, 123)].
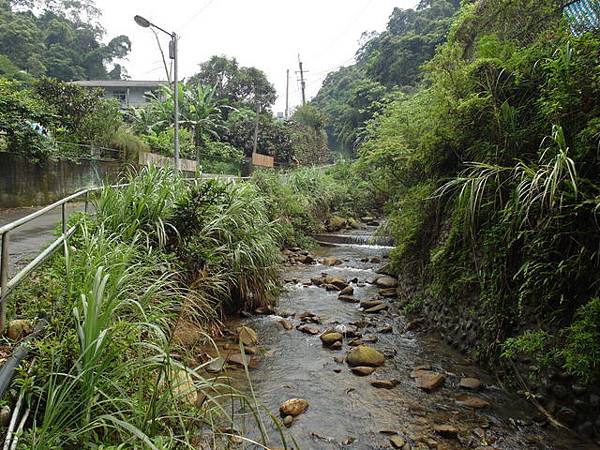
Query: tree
[(238, 86), (59, 38), (386, 62)]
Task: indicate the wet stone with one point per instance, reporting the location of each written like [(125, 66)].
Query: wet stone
[(332, 261), (307, 329), (388, 293), (386, 282), (286, 325), (397, 442), (348, 290), (288, 421), (330, 337), (376, 309), (293, 407), (370, 303), (384, 384), (385, 329), (363, 371), (472, 402), (446, 430), (469, 383), (429, 381), (364, 355), (348, 299), (247, 335)]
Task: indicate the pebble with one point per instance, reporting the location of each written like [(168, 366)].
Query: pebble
[(288, 421), (472, 402), (446, 430), (384, 384), (397, 441), (286, 324)]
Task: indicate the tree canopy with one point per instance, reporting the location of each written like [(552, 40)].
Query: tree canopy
[(240, 86), (58, 38), (387, 61)]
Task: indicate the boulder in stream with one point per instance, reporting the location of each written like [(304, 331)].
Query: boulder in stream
[(348, 290), (469, 383), (330, 337), (385, 281), (293, 407), (331, 261), (363, 355), (429, 381)]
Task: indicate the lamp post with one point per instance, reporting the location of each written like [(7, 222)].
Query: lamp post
[(145, 23)]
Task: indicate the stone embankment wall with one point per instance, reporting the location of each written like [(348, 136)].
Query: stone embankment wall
[(460, 325), (23, 183)]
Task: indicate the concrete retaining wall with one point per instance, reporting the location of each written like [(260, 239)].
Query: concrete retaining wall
[(23, 183)]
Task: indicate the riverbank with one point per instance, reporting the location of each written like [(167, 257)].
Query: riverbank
[(397, 406)]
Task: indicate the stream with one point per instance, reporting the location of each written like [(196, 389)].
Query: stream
[(345, 411)]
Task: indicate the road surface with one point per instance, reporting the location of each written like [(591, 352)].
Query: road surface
[(27, 241)]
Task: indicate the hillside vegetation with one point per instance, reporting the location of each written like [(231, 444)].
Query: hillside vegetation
[(492, 175)]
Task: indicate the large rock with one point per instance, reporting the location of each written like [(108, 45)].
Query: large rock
[(385, 281), (429, 381), (18, 329), (332, 261), (247, 335), (376, 309), (330, 337), (337, 282), (182, 386), (363, 355), (307, 329), (470, 383), (366, 304), (293, 407), (348, 290), (348, 299), (336, 223)]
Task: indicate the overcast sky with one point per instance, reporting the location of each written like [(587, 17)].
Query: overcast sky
[(267, 34)]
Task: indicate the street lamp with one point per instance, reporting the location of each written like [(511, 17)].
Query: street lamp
[(145, 23)]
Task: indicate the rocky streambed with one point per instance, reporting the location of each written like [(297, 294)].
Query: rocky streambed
[(343, 368)]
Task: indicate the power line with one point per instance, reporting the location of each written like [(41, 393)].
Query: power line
[(196, 14)]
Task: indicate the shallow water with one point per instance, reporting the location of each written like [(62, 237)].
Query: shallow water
[(345, 410)]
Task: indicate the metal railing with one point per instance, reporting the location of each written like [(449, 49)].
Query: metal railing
[(8, 284)]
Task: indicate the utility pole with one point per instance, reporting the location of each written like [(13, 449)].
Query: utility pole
[(287, 95), (173, 56), (302, 82), (255, 146)]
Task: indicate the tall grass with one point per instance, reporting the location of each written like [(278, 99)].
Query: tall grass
[(105, 373)]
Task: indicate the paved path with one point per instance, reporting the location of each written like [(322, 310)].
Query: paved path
[(27, 241)]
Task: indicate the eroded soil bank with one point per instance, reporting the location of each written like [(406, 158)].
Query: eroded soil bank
[(348, 411)]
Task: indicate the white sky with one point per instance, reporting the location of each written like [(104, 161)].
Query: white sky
[(267, 34)]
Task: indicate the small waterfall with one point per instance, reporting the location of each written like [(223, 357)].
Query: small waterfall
[(355, 239)]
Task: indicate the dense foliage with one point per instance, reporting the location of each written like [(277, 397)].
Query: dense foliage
[(143, 283), (53, 119), (60, 39), (386, 62), (501, 145)]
